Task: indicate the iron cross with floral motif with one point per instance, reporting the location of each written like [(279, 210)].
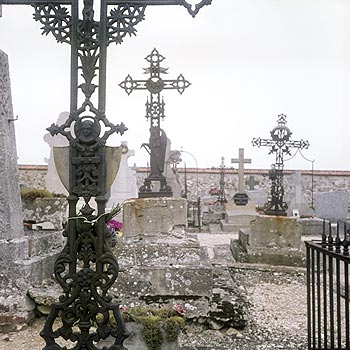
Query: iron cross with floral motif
[(87, 267), (280, 144), (154, 112)]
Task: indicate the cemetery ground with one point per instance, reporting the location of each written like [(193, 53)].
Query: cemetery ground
[(276, 317)]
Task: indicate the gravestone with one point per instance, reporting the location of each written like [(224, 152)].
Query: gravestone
[(332, 205), (240, 211), (258, 197), (11, 221), (294, 198), (238, 216), (251, 183), (52, 182), (24, 259), (124, 186), (172, 178)]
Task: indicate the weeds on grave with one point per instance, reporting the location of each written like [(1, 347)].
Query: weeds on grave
[(158, 325)]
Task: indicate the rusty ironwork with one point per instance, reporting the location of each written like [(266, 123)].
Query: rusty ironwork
[(87, 267), (280, 144), (154, 112)]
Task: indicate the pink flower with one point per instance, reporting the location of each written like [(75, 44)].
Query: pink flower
[(123, 308), (116, 225), (179, 309)]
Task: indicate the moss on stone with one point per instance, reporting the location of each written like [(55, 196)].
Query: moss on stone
[(158, 325)]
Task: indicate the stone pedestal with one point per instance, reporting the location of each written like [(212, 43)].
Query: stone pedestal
[(153, 216), (273, 240), (238, 216)]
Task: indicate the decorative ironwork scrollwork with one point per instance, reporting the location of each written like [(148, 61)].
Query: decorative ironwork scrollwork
[(122, 21), (56, 20), (280, 144)]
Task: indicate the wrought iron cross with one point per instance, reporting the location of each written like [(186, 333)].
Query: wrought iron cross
[(222, 196), (280, 144), (154, 112), (87, 267)]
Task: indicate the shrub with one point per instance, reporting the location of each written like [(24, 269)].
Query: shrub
[(29, 194)]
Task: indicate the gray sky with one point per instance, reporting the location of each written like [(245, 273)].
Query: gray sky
[(247, 60)]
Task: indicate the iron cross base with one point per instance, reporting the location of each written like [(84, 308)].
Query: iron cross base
[(165, 190), (271, 210)]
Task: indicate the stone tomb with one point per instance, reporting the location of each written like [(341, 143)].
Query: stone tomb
[(160, 264), (273, 240), (163, 264), (238, 216)]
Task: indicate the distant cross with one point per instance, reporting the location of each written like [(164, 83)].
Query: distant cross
[(251, 182), (241, 161), (87, 267), (154, 111), (280, 144), (222, 197)]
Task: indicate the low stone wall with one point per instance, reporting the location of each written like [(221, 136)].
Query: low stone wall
[(53, 210), (200, 181)]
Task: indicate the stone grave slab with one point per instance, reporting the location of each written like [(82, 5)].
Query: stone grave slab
[(147, 216), (274, 240), (238, 216), (332, 205)]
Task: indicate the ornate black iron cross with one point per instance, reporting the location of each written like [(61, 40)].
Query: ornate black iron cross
[(280, 144), (154, 111), (87, 267), (222, 196)]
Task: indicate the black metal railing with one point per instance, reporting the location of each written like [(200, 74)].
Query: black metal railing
[(327, 276)]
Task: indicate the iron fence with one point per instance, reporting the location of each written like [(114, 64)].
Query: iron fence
[(327, 276)]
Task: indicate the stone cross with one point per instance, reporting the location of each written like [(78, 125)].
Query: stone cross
[(241, 161), (154, 112), (251, 182)]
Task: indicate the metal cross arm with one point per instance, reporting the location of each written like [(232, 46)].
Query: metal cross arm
[(154, 85), (192, 9)]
